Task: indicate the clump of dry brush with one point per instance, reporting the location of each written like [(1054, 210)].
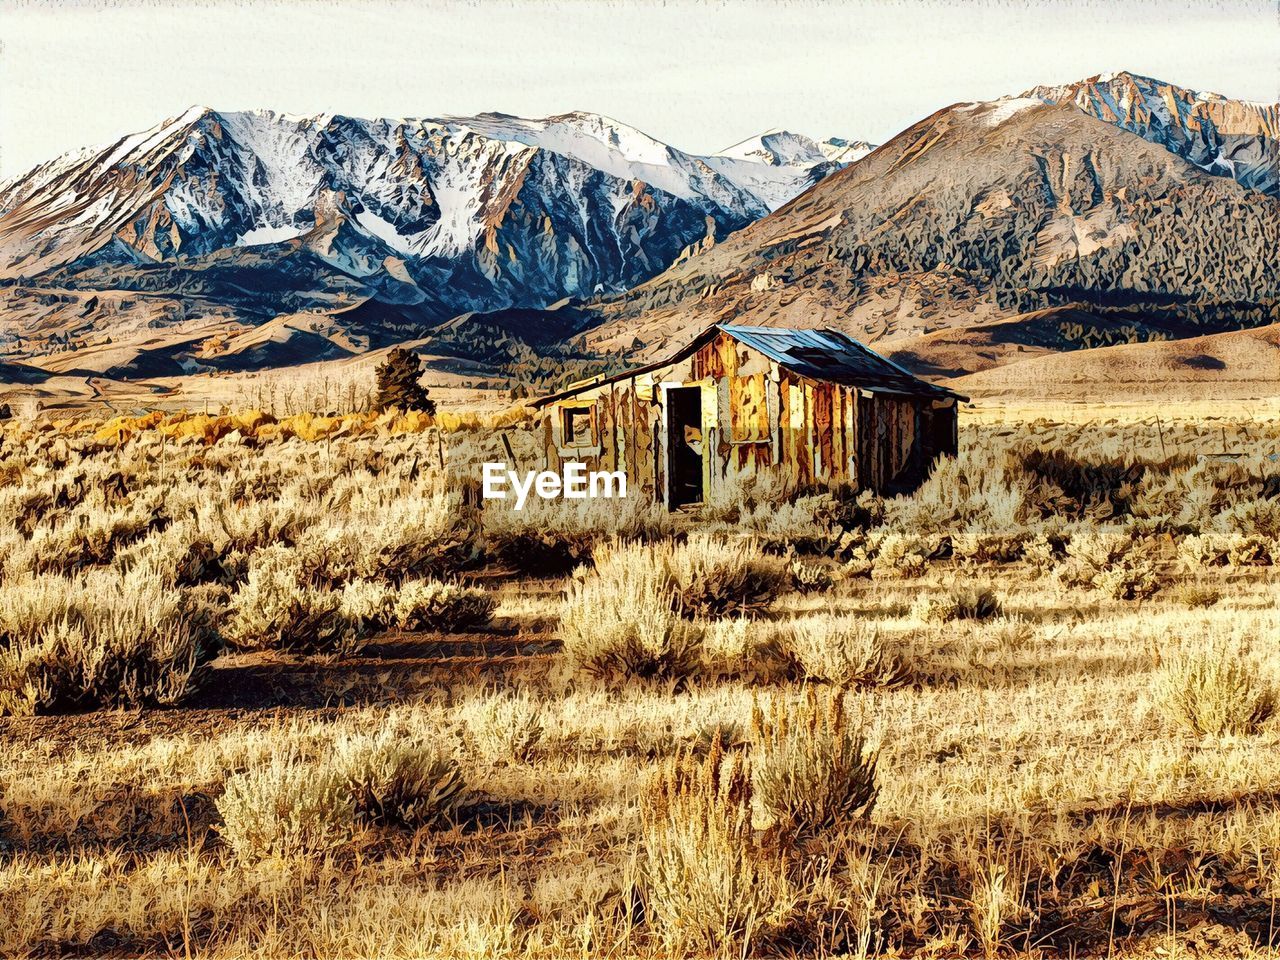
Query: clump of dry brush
[(633, 614), (624, 620), (841, 651), (298, 806), (103, 639), (711, 885), (551, 537), (964, 602), (1214, 692), (125, 570), (812, 769), (714, 880)]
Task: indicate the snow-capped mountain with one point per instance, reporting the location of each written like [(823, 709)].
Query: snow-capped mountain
[(341, 234), (778, 165), (469, 212), (982, 229), (1235, 138), (781, 148)]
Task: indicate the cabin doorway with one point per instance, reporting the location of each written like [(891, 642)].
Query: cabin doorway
[(684, 446)]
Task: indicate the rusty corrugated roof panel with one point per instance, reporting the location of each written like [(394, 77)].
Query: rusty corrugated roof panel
[(829, 355)]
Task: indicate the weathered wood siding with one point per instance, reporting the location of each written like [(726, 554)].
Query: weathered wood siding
[(757, 416)]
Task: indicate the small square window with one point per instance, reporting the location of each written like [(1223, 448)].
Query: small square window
[(577, 426)]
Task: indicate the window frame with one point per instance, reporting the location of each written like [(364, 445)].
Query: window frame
[(568, 437)]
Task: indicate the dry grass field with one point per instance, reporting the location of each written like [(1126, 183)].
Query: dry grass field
[(293, 691)]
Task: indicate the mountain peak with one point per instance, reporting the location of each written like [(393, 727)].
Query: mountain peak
[(783, 148), (776, 147), (1235, 138), (1126, 80), (268, 115), (1127, 76)]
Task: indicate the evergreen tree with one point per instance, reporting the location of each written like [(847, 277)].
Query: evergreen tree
[(398, 384)]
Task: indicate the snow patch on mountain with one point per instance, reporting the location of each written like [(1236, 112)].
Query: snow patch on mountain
[(838, 150), (1009, 107), (264, 236), (383, 230), (282, 177), (597, 141)]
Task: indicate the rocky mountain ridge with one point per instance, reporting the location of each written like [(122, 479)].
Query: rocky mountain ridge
[(582, 201), (1235, 138), (1117, 209), (999, 213)]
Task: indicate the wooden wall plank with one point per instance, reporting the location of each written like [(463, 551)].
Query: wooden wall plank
[(608, 441), (823, 431)]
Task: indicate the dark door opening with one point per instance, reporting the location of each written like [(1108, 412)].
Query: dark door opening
[(684, 446)]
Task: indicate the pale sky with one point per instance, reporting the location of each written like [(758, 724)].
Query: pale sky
[(698, 75)]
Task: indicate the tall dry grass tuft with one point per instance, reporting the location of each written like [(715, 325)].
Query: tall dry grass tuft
[(996, 890), (810, 576), (102, 639), (710, 887), (813, 772), (286, 808), (976, 490), (981, 547), (622, 619), (1213, 692)]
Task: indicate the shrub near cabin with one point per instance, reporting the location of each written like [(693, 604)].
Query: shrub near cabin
[(575, 482)]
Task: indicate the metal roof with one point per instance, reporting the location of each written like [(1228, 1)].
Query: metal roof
[(819, 354), (830, 355)]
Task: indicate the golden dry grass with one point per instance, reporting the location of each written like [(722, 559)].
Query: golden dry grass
[(1036, 793)]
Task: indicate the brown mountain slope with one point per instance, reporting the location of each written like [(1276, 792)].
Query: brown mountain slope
[(1235, 365), (976, 214), (957, 351)]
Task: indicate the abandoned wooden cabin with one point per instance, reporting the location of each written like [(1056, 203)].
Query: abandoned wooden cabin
[(814, 405)]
